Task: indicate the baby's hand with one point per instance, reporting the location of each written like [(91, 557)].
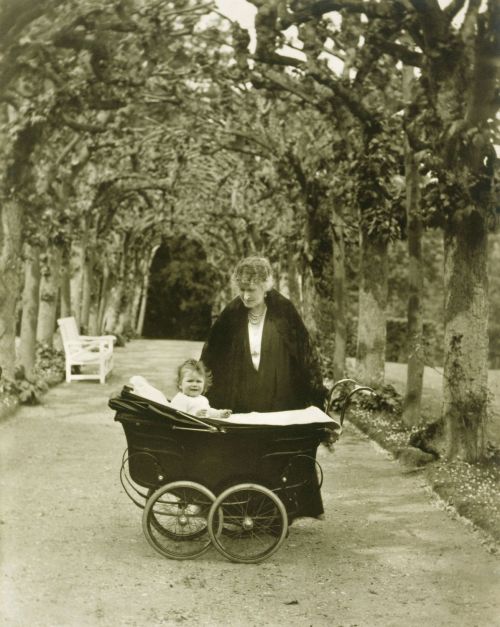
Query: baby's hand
[(202, 413), (225, 413)]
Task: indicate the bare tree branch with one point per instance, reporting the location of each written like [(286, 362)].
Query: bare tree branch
[(82, 126), (407, 56), (433, 21), (249, 138), (354, 105), (69, 147), (285, 84), (273, 58)]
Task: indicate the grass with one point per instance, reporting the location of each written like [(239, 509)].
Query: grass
[(472, 490), (395, 374)]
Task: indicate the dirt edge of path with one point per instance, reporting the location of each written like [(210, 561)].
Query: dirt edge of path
[(484, 533)]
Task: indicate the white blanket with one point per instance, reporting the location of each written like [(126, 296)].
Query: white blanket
[(309, 415), (144, 389)]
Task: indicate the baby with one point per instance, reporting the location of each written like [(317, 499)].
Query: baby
[(192, 380)]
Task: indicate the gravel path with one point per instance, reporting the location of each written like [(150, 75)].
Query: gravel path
[(73, 553)]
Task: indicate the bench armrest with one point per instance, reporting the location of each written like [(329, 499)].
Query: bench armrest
[(98, 337), (100, 344)]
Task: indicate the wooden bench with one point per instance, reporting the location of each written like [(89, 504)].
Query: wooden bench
[(94, 352)]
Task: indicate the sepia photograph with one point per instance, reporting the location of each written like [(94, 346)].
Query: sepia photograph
[(249, 313)]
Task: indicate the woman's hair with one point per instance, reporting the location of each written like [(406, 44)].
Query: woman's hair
[(191, 365), (254, 271)]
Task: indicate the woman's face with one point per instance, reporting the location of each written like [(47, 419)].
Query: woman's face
[(252, 294)]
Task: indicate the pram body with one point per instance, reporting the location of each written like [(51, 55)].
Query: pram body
[(233, 483)]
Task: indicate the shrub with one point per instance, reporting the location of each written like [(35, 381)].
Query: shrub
[(49, 363), (28, 392), (121, 339), (386, 399)]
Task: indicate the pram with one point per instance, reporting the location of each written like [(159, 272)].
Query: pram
[(235, 483)]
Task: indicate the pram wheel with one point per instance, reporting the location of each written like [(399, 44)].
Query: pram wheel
[(247, 523), (174, 520), (189, 533)]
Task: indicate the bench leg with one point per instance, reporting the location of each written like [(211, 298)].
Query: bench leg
[(102, 371)]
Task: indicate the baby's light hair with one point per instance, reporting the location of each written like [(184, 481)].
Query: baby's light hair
[(192, 365), (254, 271)]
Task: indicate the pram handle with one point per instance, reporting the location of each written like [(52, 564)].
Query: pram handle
[(348, 397), (360, 388)]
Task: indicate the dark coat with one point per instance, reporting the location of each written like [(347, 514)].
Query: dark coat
[(289, 375)]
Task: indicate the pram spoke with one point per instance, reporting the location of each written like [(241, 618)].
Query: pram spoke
[(174, 520), (247, 523)]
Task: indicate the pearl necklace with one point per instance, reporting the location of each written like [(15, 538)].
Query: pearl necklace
[(254, 318)]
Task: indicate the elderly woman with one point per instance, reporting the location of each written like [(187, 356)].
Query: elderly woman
[(259, 350), (262, 359)]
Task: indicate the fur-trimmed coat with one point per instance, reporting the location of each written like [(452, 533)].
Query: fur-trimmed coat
[(289, 375)]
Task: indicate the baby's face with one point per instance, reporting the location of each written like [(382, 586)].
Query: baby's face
[(192, 383)]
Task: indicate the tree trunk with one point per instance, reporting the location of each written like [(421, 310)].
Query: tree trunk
[(339, 298), (31, 295), (49, 292), (309, 300), (87, 287), (114, 307), (145, 289), (11, 216), (370, 350), (95, 294), (123, 324), (142, 310), (288, 283), (103, 297), (136, 303), (78, 251), (125, 306), (93, 328), (96, 288), (415, 335), (65, 287), (16, 177), (465, 387), (293, 281)]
